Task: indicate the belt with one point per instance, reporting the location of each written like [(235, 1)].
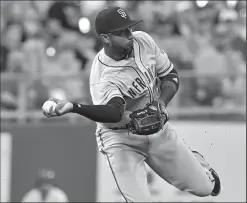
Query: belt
[(120, 128)]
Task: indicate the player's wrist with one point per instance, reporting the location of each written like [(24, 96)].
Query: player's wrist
[(70, 107), (75, 107)]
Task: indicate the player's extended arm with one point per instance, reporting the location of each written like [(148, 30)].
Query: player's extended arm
[(112, 112), (169, 86)]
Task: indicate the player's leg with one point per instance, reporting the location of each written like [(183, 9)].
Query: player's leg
[(128, 168), (211, 172), (173, 160)]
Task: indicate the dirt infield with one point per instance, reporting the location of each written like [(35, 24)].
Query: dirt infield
[(223, 144)]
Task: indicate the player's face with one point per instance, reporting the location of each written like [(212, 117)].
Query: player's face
[(122, 40)]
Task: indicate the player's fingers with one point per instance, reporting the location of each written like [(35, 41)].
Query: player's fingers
[(49, 114), (62, 109), (59, 110), (46, 114), (52, 115)]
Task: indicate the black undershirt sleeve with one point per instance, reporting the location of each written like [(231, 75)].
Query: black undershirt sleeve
[(169, 86), (112, 112)]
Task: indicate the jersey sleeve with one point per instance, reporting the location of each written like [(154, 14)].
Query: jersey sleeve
[(103, 92), (163, 63)]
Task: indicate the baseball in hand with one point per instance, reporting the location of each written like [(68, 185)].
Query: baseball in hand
[(49, 107)]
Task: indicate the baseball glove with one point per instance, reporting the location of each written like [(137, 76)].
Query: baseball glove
[(148, 120)]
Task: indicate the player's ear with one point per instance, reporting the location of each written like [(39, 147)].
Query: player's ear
[(105, 38)]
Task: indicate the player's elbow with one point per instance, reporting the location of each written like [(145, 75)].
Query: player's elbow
[(117, 117), (172, 78), (116, 110)]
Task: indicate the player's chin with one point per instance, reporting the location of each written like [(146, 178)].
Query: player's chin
[(130, 44), (128, 48)]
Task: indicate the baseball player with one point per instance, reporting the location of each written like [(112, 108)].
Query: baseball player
[(131, 83)]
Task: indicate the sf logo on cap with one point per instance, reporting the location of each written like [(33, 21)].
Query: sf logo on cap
[(122, 13)]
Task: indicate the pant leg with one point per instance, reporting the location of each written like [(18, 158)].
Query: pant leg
[(173, 161), (128, 168)]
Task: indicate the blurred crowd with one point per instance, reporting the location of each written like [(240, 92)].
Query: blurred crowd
[(47, 43)]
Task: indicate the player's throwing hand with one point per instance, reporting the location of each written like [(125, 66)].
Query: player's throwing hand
[(62, 107)]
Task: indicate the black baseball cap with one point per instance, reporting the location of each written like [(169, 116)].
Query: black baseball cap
[(113, 19)]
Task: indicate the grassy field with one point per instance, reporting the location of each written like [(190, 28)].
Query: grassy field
[(223, 144)]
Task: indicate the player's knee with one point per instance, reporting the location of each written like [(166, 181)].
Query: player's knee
[(203, 190)]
